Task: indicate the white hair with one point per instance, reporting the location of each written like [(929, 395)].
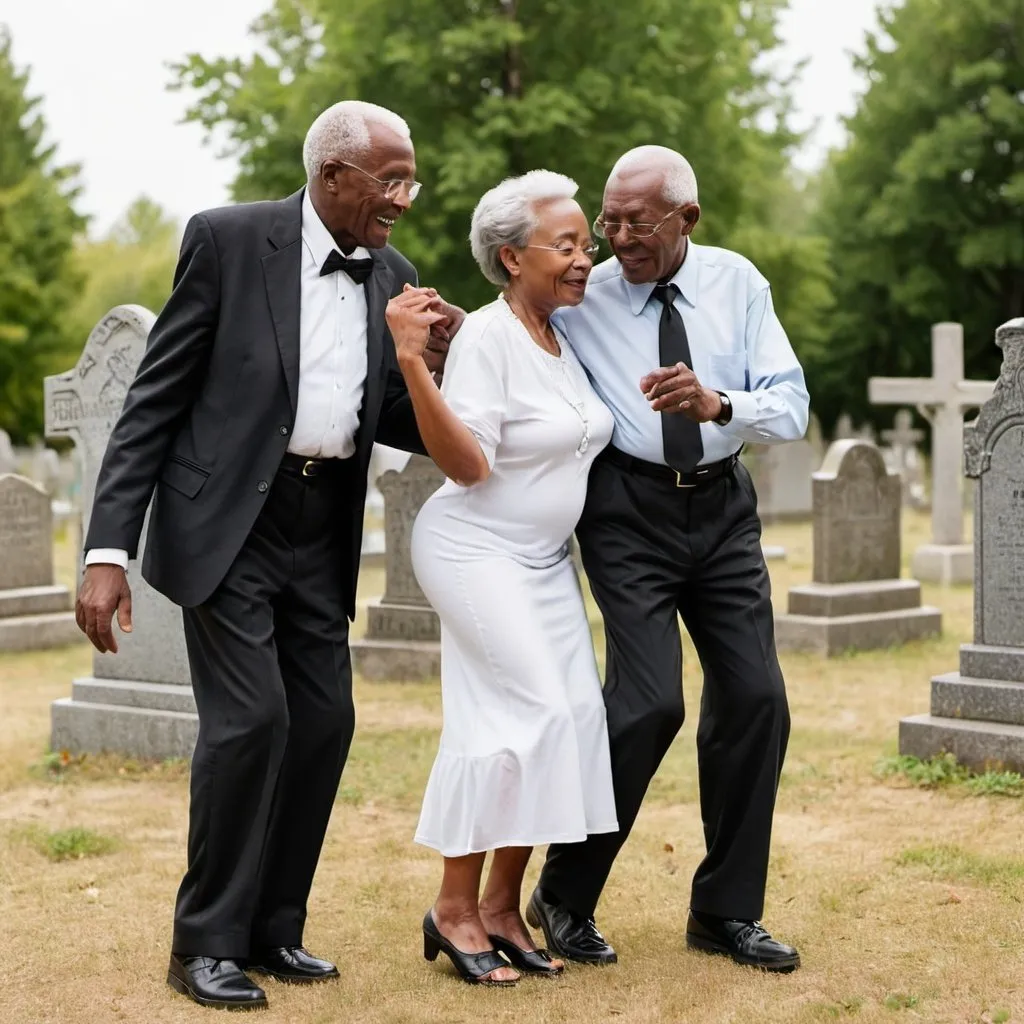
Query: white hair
[(342, 132), (680, 184), (507, 215)]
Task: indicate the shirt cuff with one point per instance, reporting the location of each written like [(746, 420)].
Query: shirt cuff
[(107, 556), (744, 409)]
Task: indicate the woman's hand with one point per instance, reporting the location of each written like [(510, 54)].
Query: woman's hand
[(410, 317)]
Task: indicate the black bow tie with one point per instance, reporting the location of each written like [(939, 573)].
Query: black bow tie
[(358, 270)]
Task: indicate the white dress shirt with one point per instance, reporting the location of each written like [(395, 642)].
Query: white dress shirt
[(332, 358), (736, 341)]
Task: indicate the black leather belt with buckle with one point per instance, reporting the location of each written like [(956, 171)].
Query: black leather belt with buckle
[(667, 475), (302, 465)]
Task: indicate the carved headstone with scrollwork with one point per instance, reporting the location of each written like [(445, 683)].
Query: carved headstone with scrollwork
[(977, 714)]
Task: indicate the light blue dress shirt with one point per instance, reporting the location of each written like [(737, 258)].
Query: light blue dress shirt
[(736, 341)]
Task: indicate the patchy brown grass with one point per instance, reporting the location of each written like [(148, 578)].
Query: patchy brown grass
[(906, 903)]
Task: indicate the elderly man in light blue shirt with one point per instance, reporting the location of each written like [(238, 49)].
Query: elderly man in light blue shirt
[(683, 344)]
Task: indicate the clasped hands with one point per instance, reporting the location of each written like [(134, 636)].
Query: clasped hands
[(422, 325), (676, 389)]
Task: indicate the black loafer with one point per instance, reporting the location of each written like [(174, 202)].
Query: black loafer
[(567, 934), (747, 942), (211, 982), (293, 964)]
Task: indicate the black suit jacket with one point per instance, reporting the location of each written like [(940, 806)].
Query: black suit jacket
[(208, 417)]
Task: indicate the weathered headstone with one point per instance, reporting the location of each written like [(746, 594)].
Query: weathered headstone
[(977, 714), (35, 613), (857, 599), (903, 456), (138, 701), (782, 478), (942, 399), (403, 634)]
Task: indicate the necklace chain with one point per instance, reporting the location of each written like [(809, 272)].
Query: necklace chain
[(564, 379)]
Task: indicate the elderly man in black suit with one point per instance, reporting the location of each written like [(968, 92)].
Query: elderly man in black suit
[(266, 379)]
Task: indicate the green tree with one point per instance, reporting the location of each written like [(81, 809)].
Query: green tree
[(133, 263), (924, 208), (494, 87), (38, 225)]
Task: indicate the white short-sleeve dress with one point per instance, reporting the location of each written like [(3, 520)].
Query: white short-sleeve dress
[(523, 759)]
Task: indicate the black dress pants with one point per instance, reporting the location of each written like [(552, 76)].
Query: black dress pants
[(652, 550), (270, 668)]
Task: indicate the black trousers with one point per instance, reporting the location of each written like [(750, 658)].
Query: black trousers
[(270, 668), (650, 551)]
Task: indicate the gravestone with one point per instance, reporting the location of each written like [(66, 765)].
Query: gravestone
[(942, 400), (903, 456), (977, 714), (139, 701), (856, 600), (782, 479), (35, 613), (403, 635)]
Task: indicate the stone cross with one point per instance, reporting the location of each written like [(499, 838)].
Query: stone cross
[(149, 710), (942, 400), (903, 440)]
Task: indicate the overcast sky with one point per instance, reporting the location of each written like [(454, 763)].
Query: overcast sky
[(101, 68)]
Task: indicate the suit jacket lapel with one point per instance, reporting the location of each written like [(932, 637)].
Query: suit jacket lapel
[(378, 290), (282, 276)]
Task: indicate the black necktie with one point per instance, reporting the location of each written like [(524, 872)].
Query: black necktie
[(358, 270), (680, 435)]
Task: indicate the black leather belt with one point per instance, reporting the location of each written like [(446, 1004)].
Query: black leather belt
[(303, 465), (702, 474)]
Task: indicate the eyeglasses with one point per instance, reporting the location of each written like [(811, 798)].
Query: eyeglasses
[(610, 228), (392, 186), (567, 249)]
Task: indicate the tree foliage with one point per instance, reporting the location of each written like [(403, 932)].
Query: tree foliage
[(495, 87), (133, 263), (924, 209), (38, 225)]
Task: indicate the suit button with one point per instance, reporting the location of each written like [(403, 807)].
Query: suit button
[(262, 486), (283, 431)]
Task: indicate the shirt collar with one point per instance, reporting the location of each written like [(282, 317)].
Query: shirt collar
[(686, 279), (318, 239)]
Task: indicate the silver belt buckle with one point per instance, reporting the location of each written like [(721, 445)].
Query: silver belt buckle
[(679, 481), (310, 467)]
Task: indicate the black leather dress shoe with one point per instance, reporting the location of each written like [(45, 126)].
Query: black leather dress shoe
[(293, 964), (567, 934), (213, 982), (745, 941)]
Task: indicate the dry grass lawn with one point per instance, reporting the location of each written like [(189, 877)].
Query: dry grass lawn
[(906, 903)]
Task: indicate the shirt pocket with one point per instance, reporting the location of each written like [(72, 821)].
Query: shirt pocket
[(727, 372)]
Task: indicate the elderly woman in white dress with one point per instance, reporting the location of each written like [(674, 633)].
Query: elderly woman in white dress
[(515, 427)]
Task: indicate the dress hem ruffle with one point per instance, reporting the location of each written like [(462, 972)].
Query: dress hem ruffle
[(501, 844)]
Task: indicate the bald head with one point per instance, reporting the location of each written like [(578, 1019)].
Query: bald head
[(671, 169), (649, 209)]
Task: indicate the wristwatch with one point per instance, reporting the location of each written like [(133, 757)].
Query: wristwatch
[(726, 414)]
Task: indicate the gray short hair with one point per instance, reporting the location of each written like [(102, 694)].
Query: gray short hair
[(680, 187), (507, 215), (342, 132)]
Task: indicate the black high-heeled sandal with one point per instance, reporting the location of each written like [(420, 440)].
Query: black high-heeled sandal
[(472, 967), (528, 961)]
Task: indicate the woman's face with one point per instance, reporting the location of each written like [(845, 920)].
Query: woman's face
[(553, 268)]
